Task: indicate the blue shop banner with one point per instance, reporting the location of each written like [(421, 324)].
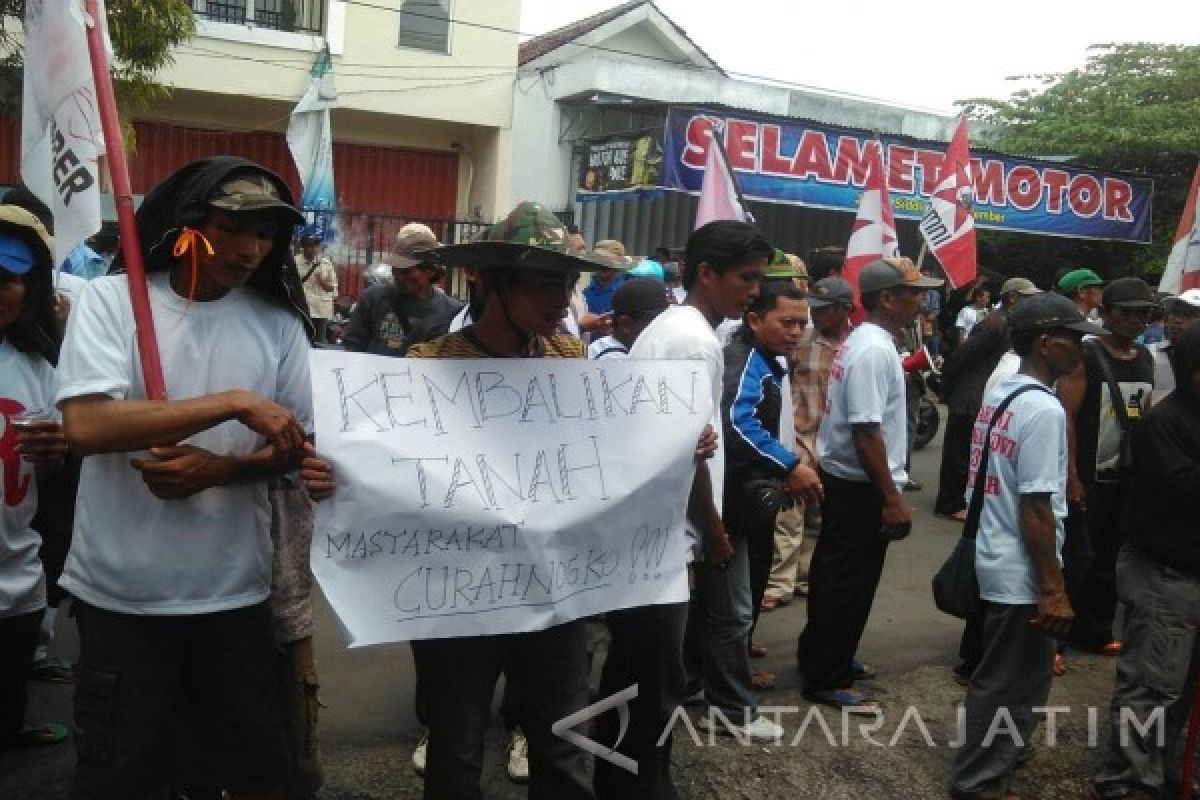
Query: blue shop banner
[(824, 166)]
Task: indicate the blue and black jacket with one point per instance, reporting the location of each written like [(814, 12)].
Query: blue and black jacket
[(751, 402)]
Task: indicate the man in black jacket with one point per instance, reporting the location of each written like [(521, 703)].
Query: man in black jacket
[(964, 376), (1158, 583)]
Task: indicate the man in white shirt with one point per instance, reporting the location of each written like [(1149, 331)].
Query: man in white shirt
[(319, 278), (636, 304), (171, 556), (724, 264), (1018, 546), (862, 445), (1182, 313), (972, 313)]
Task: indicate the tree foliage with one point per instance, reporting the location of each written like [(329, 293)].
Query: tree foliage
[(1133, 108), (144, 34)]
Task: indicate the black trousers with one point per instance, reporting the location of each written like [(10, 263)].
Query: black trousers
[(956, 463), (760, 544), (18, 638), (646, 649), (846, 566), (1096, 604)]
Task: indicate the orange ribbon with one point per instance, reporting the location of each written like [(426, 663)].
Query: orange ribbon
[(189, 241)]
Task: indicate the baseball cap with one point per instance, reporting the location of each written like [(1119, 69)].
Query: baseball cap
[(1190, 298), (251, 191), (412, 243), (638, 296), (829, 292), (1048, 311), (15, 255), (1019, 285), (889, 273), (1079, 279), (1129, 293)]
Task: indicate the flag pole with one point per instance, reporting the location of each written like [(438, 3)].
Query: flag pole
[(131, 248)]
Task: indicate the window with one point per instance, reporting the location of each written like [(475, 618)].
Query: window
[(425, 25), (302, 16)]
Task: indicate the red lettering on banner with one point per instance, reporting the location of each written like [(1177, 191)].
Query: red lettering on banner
[(699, 134), (1056, 187), (854, 158), (930, 163), (1024, 187), (1117, 195), (741, 138), (1084, 195), (900, 168), (989, 182), (773, 162), (812, 157)]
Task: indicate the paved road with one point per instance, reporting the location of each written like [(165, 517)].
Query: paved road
[(368, 728)]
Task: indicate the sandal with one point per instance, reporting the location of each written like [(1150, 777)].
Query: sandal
[(1060, 665), (762, 681), (757, 650), (37, 736), (1111, 649), (850, 701), (770, 603)]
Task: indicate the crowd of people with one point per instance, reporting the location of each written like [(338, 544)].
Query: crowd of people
[(180, 528)]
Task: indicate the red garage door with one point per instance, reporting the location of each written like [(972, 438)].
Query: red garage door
[(382, 180)]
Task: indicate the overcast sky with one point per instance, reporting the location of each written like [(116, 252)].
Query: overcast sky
[(922, 53)]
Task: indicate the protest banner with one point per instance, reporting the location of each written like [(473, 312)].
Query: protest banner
[(811, 164), (483, 497)]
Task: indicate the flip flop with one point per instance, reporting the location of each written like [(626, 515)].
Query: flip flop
[(762, 681), (1111, 649), (758, 650), (1060, 665), (850, 701)]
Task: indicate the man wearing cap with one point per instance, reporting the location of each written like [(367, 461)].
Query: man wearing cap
[(319, 279), (607, 279), (171, 564), (635, 305), (1105, 398), (1085, 288), (1017, 547), (526, 276), (1182, 312), (963, 377), (861, 449), (390, 319), (1158, 580), (830, 303)]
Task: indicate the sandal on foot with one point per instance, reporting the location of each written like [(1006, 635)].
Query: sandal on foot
[(770, 603), (850, 701), (757, 650), (1060, 665), (1111, 649), (762, 681)]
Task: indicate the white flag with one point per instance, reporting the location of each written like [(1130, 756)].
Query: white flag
[(718, 192), (310, 138), (61, 139)]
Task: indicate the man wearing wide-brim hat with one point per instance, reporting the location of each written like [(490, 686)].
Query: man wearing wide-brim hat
[(526, 276), (389, 319)]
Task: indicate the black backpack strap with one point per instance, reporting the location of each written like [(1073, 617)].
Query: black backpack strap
[(1114, 391), (979, 490)]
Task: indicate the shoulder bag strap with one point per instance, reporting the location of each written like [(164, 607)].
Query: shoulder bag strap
[(979, 490), (1114, 391)]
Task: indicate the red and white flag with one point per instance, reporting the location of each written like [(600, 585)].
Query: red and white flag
[(61, 139), (1183, 265), (874, 233), (719, 198), (948, 226)]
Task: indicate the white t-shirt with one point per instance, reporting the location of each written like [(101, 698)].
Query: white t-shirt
[(461, 320), (607, 347), (132, 552), (866, 385), (1164, 376), (1028, 456), (26, 384), (683, 332), (1006, 367), (967, 319)]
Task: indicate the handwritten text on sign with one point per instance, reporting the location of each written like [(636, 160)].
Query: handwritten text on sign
[(486, 496)]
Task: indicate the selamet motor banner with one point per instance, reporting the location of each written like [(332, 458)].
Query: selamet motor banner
[(824, 166)]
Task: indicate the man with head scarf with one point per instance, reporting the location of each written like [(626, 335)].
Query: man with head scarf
[(171, 564)]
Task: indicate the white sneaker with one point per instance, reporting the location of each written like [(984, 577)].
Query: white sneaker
[(518, 757), (418, 756), (760, 729)]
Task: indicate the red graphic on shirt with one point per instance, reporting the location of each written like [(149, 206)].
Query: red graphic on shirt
[(15, 489)]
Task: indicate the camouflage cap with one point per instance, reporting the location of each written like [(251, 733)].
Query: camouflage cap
[(252, 191), (529, 237), (781, 266)]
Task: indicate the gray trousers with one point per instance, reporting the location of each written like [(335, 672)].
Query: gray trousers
[(1012, 678), (1156, 670)]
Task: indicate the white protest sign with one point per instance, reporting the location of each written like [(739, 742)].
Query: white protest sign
[(496, 496)]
